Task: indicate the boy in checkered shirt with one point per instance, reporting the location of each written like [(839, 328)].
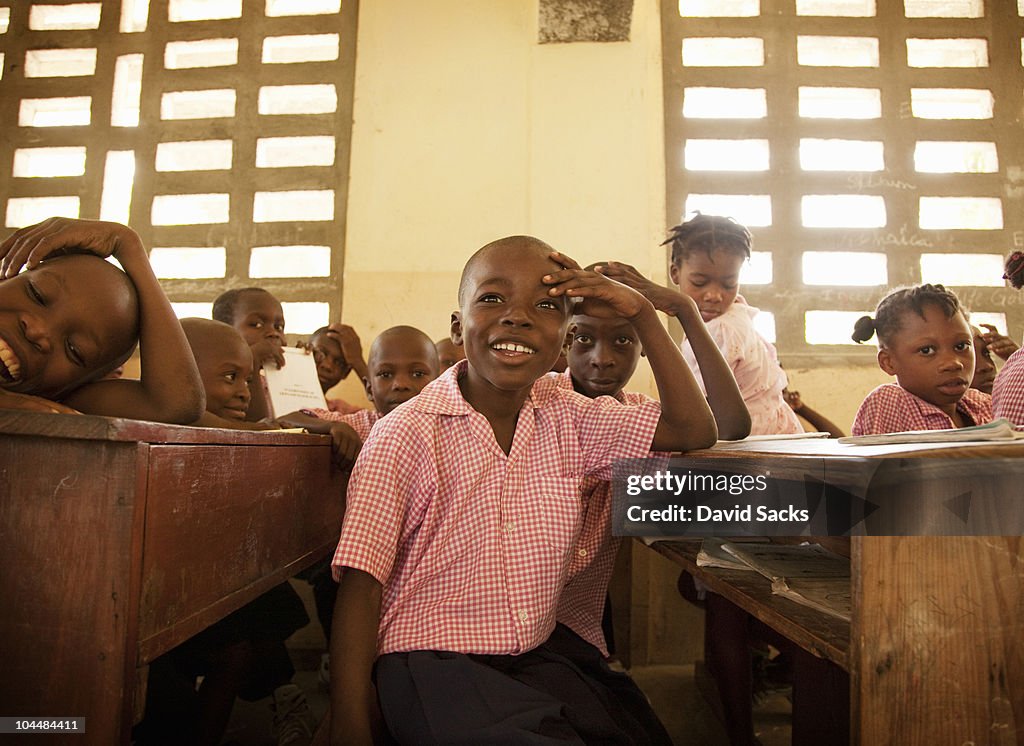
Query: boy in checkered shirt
[(924, 340), (1008, 388), (463, 508)]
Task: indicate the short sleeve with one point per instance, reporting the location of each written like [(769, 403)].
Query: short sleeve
[(384, 480), (610, 430)]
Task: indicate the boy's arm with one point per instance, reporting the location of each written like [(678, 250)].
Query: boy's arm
[(351, 348), (818, 421), (30, 403), (355, 714), (686, 421), (208, 419), (169, 388), (724, 395)]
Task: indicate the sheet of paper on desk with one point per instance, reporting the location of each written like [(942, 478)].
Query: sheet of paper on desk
[(784, 436), (808, 574), (295, 386), (997, 430)]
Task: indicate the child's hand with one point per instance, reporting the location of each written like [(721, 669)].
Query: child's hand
[(30, 245), (664, 299), (348, 340), (601, 297), (793, 399), (345, 445), (268, 350), (998, 343), (29, 403)]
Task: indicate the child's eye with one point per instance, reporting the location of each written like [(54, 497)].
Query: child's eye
[(383, 374), (698, 283), (583, 339), (927, 350), (550, 304), (962, 346), (625, 341), (279, 327), (256, 324), (33, 291), (490, 298), (418, 374), (75, 355)]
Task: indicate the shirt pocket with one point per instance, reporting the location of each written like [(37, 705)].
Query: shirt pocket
[(557, 502)]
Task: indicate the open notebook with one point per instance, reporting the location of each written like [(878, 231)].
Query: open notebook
[(997, 430)]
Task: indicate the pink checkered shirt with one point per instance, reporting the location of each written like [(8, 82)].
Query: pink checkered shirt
[(581, 605), (892, 409), (1008, 390), (472, 546), (755, 364), (362, 420)]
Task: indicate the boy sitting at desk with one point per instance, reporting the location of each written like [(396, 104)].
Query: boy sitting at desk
[(71, 318), (338, 352), (462, 512)]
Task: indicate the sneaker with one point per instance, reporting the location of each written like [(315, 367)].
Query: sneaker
[(294, 723), (324, 674)]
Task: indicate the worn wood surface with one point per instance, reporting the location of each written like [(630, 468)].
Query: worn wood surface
[(820, 634), (120, 539)]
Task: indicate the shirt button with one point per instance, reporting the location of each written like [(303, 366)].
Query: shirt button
[(582, 552), (510, 527), (522, 616)]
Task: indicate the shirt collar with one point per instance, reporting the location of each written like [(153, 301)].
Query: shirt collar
[(443, 395)]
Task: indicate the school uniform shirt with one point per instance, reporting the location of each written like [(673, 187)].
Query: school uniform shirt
[(1008, 390), (472, 545), (755, 365), (581, 605), (892, 409), (361, 420)]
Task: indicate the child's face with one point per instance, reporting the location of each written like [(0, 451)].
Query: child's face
[(259, 316), (331, 365), (449, 354), (603, 355), (712, 281), (511, 329), (225, 365), (63, 323), (931, 357), (399, 367), (984, 365)]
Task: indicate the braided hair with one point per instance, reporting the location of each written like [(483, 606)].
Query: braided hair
[(900, 301), (1015, 269), (707, 233)]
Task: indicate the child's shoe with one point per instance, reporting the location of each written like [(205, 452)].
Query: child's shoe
[(294, 723)]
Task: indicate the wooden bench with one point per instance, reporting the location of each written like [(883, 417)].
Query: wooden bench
[(935, 648), (121, 539)]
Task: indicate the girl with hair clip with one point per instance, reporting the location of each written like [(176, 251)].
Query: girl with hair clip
[(1008, 388), (707, 254), (925, 340)]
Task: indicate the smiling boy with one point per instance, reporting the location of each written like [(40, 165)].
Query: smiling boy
[(463, 507)]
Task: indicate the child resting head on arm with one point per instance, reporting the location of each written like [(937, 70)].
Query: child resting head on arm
[(925, 340), (72, 318)]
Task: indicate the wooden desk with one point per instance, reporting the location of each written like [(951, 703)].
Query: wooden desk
[(121, 539), (936, 643)]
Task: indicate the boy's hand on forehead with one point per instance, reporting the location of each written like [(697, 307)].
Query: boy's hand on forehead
[(599, 296), (266, 350), (348, 340), (31, 245)]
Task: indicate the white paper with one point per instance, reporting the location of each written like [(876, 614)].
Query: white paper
[(295, 386)]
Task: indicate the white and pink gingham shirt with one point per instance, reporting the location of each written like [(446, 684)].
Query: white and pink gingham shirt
[(472, 545), (581, 606), (755, 364), (890, 408), (1008, 390), (361, 420)]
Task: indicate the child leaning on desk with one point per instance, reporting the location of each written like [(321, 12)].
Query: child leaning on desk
[(72, 318), (925, 341), (462, 511)]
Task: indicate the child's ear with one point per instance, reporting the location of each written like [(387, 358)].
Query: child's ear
[(673, 273), (369, 391), (567, 343), (456, 328), (885, 361)]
